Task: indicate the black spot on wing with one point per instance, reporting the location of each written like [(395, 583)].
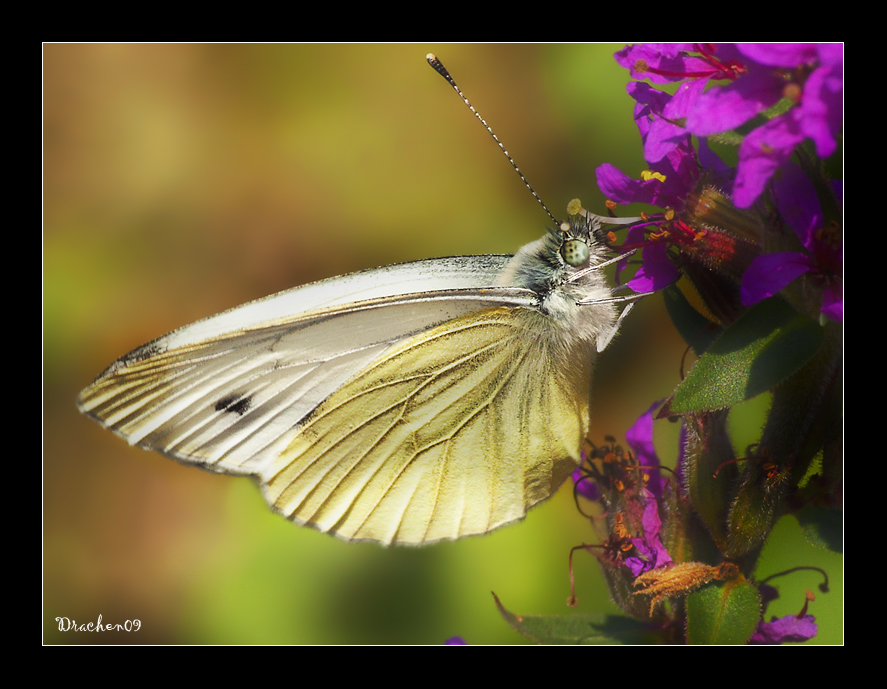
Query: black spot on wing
[(234, 403)]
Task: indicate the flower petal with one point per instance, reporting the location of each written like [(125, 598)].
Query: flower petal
[(770, 273), (662, 57), (657, 271), (762, 152), (782, 629), (798, 204), (787, 55), (822, 109), (833, 302), (725, 107)]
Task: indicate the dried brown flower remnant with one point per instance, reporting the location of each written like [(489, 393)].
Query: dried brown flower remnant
[(680, 579)]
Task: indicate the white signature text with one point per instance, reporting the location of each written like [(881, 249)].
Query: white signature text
[(68, 625)]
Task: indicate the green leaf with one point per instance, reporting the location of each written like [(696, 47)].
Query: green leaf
[(592, 628), (769, 343), (724, 613)]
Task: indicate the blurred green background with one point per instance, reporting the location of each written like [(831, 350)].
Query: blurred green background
[(182, 180)]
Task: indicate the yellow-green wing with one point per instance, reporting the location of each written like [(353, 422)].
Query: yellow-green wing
[(453, 432)]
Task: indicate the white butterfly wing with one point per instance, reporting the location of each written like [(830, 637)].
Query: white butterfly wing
[(228, 392), (405, 404), (455, 431)]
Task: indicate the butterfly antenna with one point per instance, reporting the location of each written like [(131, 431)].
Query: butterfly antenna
[(440, 69)]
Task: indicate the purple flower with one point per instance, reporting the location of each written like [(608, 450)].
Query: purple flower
[(662, 63), (666, 185), (657, 270), (673, 171), (811, 75), (640, 439), (670, 62), (758, 77), (762, 152), (819, 93), (822, 259), (671, 181), (782, 629), (455, 641), (760, 86), (652, 553)]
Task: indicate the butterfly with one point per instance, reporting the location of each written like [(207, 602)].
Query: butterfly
[(406, 404)]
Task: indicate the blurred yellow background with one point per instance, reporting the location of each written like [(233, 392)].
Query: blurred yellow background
[(182, 180)]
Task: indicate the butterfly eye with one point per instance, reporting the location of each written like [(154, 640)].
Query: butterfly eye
[(575, 252)]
